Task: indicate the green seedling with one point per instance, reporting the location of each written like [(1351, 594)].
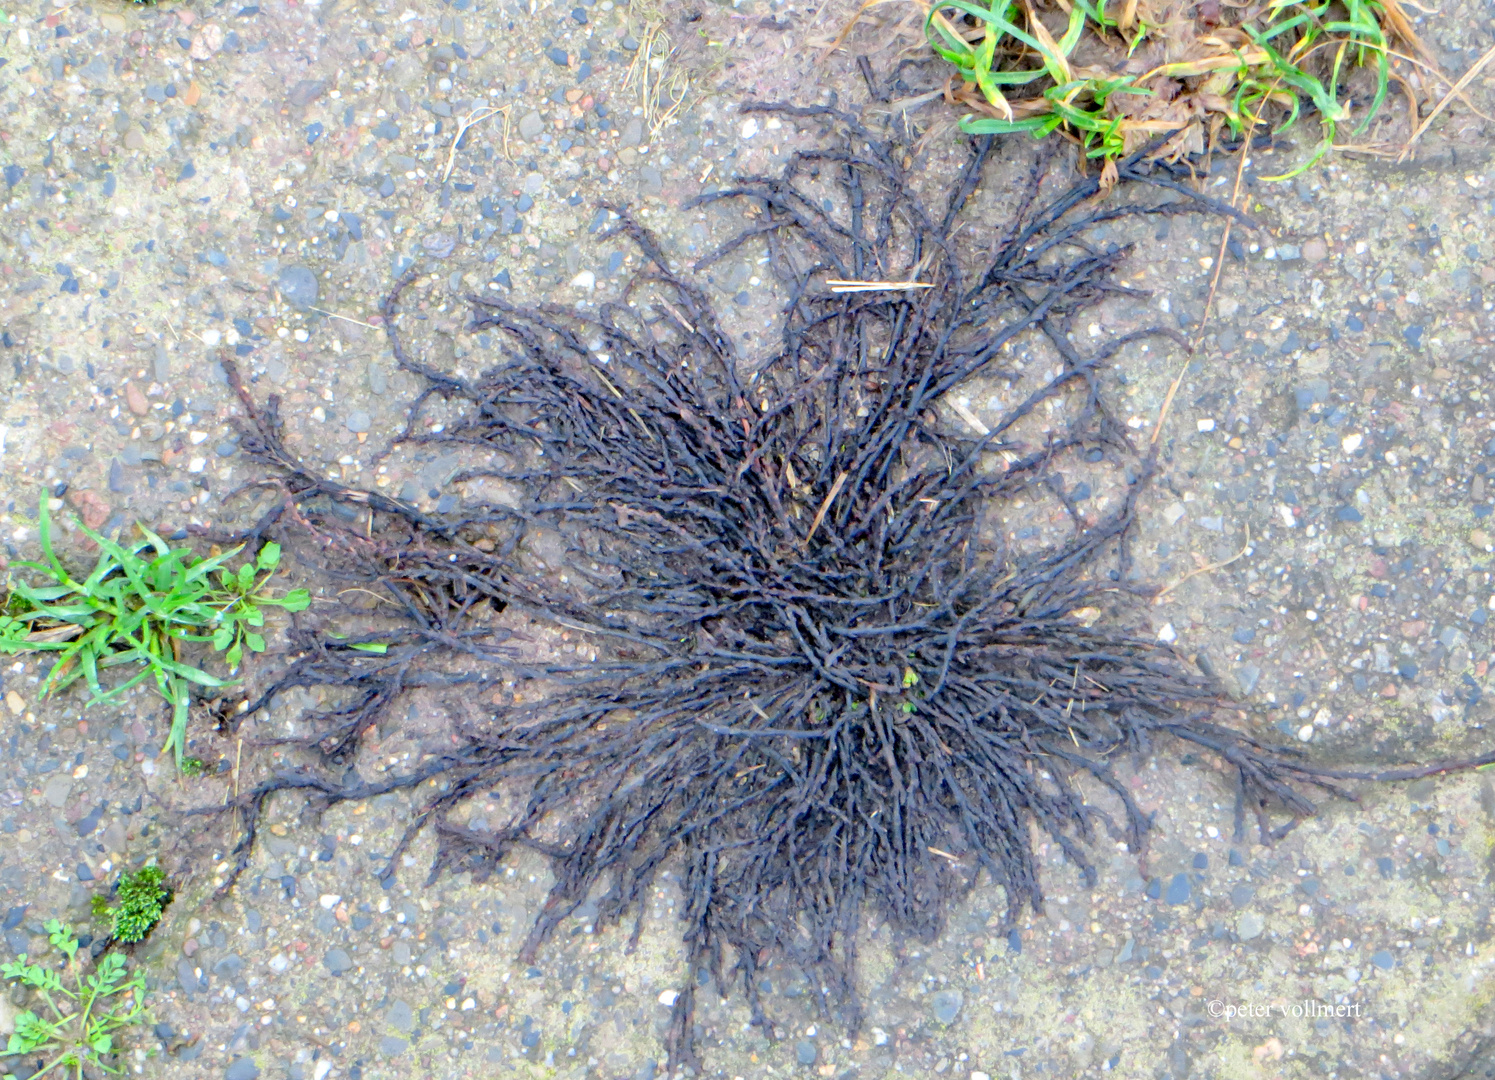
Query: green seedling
[(140, 898), (84, 1013), (144, 605)]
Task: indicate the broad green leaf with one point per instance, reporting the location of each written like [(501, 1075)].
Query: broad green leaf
[(246, 577), (222, 638), (255, 642), (269, 557), (296, 600), (233, 656)]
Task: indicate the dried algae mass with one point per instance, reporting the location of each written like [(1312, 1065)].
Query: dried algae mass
[(827, 687)]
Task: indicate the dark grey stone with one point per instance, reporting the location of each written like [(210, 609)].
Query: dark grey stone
[(400, 1016), (440, 245), (338, 961), (299, 286), (805, 1052), (306, 91), (241, 1069), (946, 1005), (90, 821), (1179, 890), (186, 975)]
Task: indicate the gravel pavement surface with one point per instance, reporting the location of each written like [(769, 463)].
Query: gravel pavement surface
[(183, 181)]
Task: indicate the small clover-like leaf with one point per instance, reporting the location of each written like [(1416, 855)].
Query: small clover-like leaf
[(296, 600), (255, 642), (223, 637), (269, 557), (234, 655)]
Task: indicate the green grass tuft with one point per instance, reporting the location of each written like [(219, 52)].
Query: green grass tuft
[(1233, 74), (142, 605)]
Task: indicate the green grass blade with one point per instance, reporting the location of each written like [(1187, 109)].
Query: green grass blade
[(44, 519), (207, 566)]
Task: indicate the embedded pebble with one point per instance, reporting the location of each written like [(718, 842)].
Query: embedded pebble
[(298, 285), (946, 1005), (241, 1069)]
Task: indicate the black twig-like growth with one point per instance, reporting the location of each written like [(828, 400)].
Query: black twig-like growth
[(828, 687)]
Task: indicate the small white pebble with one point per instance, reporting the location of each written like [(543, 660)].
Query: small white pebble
[(211, 337), (584, 280), (1167, 635), (1351, 443), (1313, 616), (1206, 425), (667, 998), (329, 900), (197, 438), (749, 128), (319, 414), (197, 464), (1305, 733), (301, 334)]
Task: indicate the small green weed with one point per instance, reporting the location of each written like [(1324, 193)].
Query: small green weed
[(140, 898), (144, 605), (83, 1015), (1228, 75)]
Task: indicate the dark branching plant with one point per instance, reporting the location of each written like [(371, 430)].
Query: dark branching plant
[(828, 686)]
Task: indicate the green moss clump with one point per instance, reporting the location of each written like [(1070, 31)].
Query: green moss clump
[(142, 896)]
